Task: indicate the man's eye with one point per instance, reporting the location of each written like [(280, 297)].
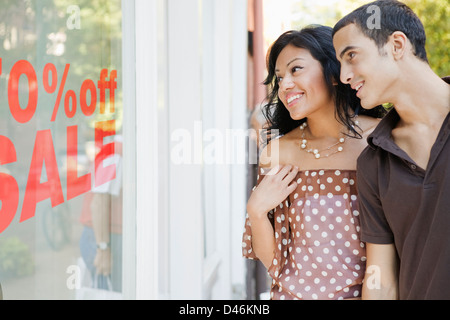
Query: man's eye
[(351, 55)]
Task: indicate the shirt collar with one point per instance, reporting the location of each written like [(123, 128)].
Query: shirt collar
[(383, 130)]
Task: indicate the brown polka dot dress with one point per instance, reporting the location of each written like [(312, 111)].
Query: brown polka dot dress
[(318, 253)]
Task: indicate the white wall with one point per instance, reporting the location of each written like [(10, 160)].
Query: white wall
[(190, 77), (185, 211)]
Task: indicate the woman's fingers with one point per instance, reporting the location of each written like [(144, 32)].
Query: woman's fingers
[(274, 187), (290, 181), (291, 188), (274, 170), (282, 173), (291, 175)]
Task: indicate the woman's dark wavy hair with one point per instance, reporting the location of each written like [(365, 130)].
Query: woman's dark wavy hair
[(318, 41)]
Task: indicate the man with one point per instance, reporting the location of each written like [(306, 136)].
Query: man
[(404, 173)]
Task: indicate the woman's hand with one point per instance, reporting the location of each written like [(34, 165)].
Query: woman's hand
[(272, 190)]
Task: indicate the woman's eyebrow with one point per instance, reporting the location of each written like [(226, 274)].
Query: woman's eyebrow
[(293, 60)]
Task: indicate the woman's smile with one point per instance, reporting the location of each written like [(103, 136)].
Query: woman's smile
[(293, 98)]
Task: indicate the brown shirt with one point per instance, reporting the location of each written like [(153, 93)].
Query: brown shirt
[(403, 204)]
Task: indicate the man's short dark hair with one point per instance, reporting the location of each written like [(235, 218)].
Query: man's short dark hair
[(393, 16)]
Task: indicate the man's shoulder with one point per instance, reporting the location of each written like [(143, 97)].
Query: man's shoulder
[(367, 162), (368, 155)]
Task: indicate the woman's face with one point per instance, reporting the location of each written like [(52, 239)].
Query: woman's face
[(302, 87)]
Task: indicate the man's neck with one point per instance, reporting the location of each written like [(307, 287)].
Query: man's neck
[(421, 97), (422, 102)]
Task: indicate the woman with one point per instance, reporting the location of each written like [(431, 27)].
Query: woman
[(302, 217)]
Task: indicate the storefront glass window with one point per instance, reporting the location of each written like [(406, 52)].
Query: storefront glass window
[(61, 149)]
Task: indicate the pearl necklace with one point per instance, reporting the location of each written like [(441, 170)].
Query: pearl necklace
[(317, 153)]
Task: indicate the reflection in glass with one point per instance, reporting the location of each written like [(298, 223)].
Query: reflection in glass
[(60, 149)]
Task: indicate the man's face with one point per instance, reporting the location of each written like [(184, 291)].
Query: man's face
[(368, 71)]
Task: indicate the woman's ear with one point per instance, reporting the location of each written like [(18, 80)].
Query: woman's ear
[(334, 82)]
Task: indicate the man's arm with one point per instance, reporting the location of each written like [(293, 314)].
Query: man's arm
[(381, 279)]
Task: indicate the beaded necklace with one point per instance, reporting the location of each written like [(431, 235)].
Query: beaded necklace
[(318, 152)]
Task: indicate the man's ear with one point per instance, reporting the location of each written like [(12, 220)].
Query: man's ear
[(399, 43)]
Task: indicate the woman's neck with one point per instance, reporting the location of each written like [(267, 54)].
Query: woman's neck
[(325, 125)]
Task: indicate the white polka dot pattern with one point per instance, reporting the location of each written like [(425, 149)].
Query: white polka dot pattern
[(318, 252)]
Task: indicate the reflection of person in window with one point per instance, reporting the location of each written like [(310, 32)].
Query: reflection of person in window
[(101, 241)]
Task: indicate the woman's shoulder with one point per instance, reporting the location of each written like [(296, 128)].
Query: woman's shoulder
[(278, 150)]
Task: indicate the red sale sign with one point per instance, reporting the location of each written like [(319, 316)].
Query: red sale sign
[(43, 156)]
